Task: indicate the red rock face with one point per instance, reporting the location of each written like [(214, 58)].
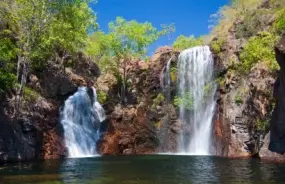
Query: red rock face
[(36, 133), (129, 132), (53, 145), (134, 128)]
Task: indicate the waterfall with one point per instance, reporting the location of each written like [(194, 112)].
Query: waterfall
[(196, 101), (81, 118)]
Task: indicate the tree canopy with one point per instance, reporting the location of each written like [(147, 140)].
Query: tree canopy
[(125, 40), (182, 42)]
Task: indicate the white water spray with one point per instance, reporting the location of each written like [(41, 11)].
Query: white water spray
[(197, 104), (81, 118)]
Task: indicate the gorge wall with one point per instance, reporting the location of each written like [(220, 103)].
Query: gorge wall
[(36, 133), (148, 122)]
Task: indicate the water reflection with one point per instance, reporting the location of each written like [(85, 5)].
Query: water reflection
[(144, 170)]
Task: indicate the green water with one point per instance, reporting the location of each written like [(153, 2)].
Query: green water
[(160, 169)]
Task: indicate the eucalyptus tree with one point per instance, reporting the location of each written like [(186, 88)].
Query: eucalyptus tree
[(42, 27), (125, 41)]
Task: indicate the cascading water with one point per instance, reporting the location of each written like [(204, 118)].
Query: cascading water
[(81, 118), (196, 100)]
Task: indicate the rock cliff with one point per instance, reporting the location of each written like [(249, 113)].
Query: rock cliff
[(36, 132)]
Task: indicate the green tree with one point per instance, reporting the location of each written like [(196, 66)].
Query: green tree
[(182, 42), (125, 41), (260, 48), (42, 27)]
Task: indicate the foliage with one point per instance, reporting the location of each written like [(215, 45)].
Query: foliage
[(227, 15), (259, 49), (30, 94), (263, 125), (45, 26), (279, 24), (254, 22), (8, 52), (186, 100), (216, 45), (102, 97), (238, 99), (158, 100), (208, 88), (126, 39), (182, 42), (7, 80), (173, 73), (34, 30)]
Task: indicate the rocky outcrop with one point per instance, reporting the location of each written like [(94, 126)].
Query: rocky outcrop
[(277, 127), (148, 120), (36, 132), (245, 105)]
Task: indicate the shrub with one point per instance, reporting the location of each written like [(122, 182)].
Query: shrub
[(279, 24), (259, 49), (8, 52), (7, 80), (208, 88), (253, 23), (186, 101), (102, 97), (238, 99), (30, 94), (216, 45), (262, 125), (173, 74), (158, 100)]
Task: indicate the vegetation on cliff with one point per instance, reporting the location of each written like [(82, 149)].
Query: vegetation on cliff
[(35, 32), (243, 40)]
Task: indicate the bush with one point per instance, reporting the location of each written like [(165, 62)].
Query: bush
[(186, 101), (8, 52), (30, 94), (279, 24), (259, 48), (216, 45), (208, 88), (173, 74), (238, 99), (253, 23), (102, 97), (158, 100), (262, 125), (7, 80)]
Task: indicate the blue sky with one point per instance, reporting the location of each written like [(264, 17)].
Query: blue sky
[(189, 16)]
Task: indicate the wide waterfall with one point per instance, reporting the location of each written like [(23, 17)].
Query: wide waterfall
[(81, 118), (196, 90)]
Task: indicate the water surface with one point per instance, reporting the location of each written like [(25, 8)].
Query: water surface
[(158, 169)]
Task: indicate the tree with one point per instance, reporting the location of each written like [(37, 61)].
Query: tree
[(125, 41), (42, 27), (182, 42)]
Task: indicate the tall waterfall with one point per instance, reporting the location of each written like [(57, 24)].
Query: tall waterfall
[(196, 100), (81, 118)]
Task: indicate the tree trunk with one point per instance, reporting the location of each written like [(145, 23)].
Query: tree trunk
[(124, 100), (20, 91)]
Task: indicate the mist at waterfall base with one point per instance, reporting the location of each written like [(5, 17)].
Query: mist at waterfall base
[(81, 118)]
